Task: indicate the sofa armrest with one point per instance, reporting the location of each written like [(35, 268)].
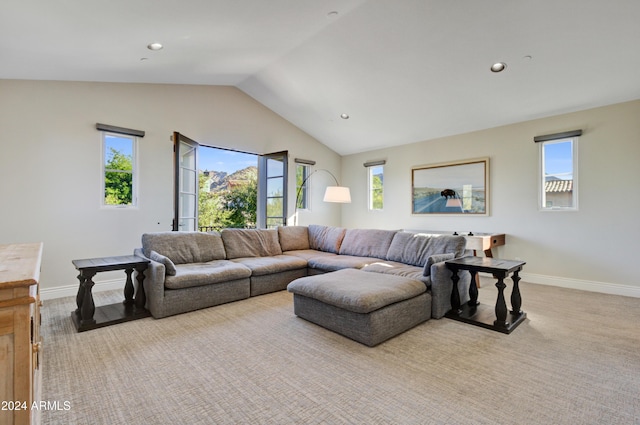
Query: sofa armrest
[(153, 283), (441, 286)]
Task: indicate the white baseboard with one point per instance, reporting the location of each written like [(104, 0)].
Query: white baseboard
[(584, 285), (72, 290)]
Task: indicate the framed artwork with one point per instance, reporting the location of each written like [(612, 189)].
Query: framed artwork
[(451, 188)]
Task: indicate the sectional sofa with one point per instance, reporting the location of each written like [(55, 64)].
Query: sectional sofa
[(194, 270)]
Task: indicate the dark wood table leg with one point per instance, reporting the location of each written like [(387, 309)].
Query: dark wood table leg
[(455, 293), (473, 290), (88, 307), (128, 288), (141, 297), (80, 296), (516, 300), (501, 305)]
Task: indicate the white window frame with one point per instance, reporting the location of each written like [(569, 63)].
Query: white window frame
[(542, 197), (134, 170), (303, 190), (370, 189)]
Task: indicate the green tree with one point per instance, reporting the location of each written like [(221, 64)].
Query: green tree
[(376, 193), (118, 179), (275, 208), (241, 202), (210, 207), (301, 192)]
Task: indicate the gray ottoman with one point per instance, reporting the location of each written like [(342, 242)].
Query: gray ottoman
[(364, 306)]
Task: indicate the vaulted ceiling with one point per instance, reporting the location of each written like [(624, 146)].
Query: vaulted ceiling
[(403, 70)]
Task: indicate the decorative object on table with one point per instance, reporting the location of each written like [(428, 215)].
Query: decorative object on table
[(451, 188)]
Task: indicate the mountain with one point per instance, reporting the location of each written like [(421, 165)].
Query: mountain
[(248, 173), (220, 180)]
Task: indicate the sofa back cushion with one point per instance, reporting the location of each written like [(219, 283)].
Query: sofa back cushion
[(416, 248), (185, 247), (241, 243), (367, 242), (293, 238), (326, 238)]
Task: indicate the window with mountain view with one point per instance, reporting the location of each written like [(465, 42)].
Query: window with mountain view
[(228, 189)]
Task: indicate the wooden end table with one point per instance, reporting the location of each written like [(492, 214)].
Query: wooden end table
[(480, 315), (87, 316)]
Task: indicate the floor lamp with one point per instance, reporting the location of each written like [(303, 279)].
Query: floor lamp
[(336, 194)]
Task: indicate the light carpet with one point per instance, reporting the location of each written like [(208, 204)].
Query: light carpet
[(575, 360)]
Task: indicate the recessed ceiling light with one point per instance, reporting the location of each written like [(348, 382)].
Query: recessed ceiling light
[(154, 46), (344, 116), (498, 67)]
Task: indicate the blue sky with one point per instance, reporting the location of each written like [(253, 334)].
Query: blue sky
[(558, 159), (212, 159), (122, 144)]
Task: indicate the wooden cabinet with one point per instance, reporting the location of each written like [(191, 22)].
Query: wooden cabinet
[(20, 342)]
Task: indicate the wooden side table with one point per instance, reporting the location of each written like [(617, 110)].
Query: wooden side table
[(475, 313), (87, 316)]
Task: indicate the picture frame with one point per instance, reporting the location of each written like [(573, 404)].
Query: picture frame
[(451, 188)]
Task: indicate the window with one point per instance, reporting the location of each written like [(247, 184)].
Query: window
[(302, 193), (215, 188), (376, 186), (119, 182), (228, 188), (559, 174), (219, 188)]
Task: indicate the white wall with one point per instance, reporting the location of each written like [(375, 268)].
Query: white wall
[(50, 177), (50, 161), (587, 249)]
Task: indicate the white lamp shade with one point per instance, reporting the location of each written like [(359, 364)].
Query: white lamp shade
[(339, 194)]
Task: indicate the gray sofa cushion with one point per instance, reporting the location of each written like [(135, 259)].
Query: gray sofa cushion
[(198, 274), (366, 242), (241, 243), (307, 254), (293, 237), (170, 268), (185, 247), (398, 269), (356, 291), (271, 265), (326, 238), (436, 258), (338, 262), (416, 248)]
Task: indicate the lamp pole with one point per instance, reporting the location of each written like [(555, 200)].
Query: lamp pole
[(303, 185)]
